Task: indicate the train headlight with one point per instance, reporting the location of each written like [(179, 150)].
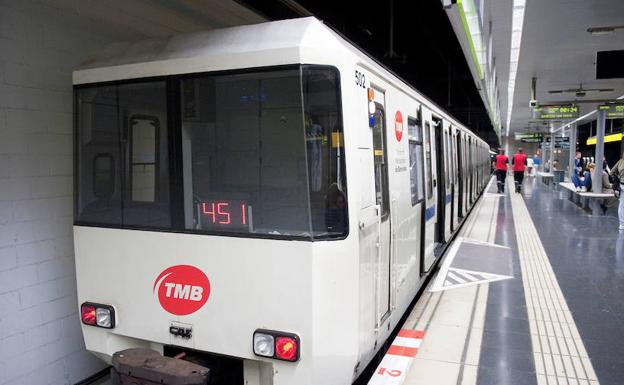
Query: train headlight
[(264, 344), (103, 317), (275, 344), (95, 314)]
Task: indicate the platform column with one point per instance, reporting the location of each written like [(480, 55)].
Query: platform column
[(572, 148), (599, 153), (552, 148), (543, 155)]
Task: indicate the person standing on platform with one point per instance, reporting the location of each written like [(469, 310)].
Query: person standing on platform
[(519, 162), (536, 162), (501, 170), (618, 170)]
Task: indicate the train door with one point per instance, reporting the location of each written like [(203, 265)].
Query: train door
[(460, 175), (448, 181), (454, 172), (431, 192), (438, 140), (380, 155)]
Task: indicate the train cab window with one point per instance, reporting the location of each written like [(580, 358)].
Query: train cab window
[(263, 153), (247, 153), (122, 122), (414, 130), (428, 160)]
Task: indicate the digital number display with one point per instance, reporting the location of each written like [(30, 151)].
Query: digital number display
[(557, 112), (231, 214), (613, 111)]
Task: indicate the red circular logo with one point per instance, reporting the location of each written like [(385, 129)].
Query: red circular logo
[(182, 289), (398, 125)]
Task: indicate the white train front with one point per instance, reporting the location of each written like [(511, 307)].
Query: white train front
[(268, 179)]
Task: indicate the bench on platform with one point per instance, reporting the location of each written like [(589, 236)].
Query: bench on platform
[(547, 177), (583, 198)]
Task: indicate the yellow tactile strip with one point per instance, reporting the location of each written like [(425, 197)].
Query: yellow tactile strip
[(560, 356)]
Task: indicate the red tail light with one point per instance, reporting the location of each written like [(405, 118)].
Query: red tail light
[(286, 348), (87, 314), (95, 314), (276, 344)]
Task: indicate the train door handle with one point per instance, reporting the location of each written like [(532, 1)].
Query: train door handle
[(435, 183)]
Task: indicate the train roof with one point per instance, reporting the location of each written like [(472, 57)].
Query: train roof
[(282, 42)]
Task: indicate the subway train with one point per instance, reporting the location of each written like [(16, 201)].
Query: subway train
[(264, 201)]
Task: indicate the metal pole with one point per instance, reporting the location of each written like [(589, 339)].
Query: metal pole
[(599, 154), (543, 155), (552, 148), (572, 148)]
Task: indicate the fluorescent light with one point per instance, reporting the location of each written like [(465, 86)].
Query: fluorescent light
[(516, 39)]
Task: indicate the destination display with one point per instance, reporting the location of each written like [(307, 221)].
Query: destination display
[(570, 111), (562, 142), (613, 110), (528, 137)]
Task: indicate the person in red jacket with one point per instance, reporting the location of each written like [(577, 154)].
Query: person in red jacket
[(519, 162), (501, 170)]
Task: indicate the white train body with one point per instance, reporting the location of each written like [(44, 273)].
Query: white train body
[(341, 296)]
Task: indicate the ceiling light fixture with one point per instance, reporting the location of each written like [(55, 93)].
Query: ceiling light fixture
[(517, 22)]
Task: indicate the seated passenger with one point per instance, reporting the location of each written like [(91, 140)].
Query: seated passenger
[(583, 183)]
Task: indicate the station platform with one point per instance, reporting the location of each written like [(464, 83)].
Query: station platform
[(531, 292)]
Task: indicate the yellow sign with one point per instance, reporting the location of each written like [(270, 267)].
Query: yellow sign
[(608, 138)]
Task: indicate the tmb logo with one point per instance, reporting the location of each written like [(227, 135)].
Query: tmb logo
[(398, 125), (182, 289)]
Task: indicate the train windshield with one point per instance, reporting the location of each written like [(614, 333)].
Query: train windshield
[(243, 153)]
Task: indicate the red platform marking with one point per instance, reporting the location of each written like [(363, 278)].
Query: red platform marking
[(411, 333), (402, 351), (398, 359)]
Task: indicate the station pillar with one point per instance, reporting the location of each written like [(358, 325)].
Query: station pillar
[(543, 155), (599, 153), (572, 154), (552, 148)]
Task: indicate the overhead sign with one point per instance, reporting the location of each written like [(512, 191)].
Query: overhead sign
[(570, 111), (608, 138), (528, 137), (559, 139), (613, 110)]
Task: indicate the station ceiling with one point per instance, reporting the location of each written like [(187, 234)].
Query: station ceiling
[(556, 47), (558, 50)]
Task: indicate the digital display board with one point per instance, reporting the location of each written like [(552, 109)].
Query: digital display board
[(528, 137), (570, 111), (613, 111), (224, 214)]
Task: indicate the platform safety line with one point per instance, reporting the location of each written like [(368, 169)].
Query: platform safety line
[(395, 365), (558, 350)]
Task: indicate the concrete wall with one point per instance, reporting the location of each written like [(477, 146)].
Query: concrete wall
[(40, 338)]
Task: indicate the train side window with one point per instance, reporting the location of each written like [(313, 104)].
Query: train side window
[(416, 159), (103, 175), (428, 160)]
